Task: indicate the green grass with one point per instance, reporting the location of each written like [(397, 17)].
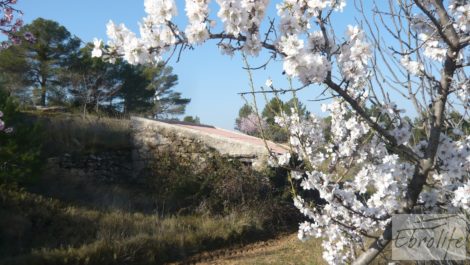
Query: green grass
[(39, 230)]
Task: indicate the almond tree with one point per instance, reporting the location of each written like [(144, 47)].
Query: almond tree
[(411, 51), (10, 23)]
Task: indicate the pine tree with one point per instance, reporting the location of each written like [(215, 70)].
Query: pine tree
[(40, 63)]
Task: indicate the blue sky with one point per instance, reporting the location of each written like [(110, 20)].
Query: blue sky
[(210, 79)]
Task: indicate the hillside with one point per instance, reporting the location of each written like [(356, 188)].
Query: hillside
[(87, 207)]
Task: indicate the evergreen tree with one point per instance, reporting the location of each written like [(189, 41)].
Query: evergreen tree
[(123, 87), (167, 103), (40, 63), (148, 89), (135, 94), (192, 119), (92, 81)]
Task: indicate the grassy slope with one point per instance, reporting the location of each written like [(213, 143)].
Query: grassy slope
[(68, 133), (69, 220), (51, 226), (39, 230)]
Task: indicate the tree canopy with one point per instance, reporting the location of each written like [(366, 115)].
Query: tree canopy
[(40, 64), (56, 70)]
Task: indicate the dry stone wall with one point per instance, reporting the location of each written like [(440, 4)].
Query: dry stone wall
[(153, 141), (151, 138)]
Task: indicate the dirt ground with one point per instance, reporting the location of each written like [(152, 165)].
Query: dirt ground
[(287, 249)]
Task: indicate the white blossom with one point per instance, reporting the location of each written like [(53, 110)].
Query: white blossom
[(432, 48), (197, 12), (269, 82), (413, 67), (316, 41), (291, 45), (462, 197), (227, 49), (160, 11), (97, 52), (284, 159), (461, 11), (463, 92), (197, 32), (233, 16), (354, 56)]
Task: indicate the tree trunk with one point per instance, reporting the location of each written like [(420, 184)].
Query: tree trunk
[(43, 94), (426, 164)]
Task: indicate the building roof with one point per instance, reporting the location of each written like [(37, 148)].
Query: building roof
[(233, 135)]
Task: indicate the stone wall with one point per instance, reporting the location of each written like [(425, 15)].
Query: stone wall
[(151, 142), (112, 166), (151, 138), (122, 177), (99, 180)]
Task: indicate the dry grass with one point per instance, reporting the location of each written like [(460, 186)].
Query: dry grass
[(39, 230), (68, 133), (284, 250)]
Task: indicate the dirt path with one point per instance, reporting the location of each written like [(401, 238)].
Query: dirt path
[(283, 250)]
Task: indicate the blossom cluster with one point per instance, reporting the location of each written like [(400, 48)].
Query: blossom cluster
[(400, 128), (413, 67), (463, 92), (433, 47), (354, 57), (157, 34), (251, 124), (461, 12), (301, 63), (364, 203), (451, 180), (305, 137), (462, 197), (240, 18), (197, 12), (243, 18), (3, 128), (296, 15), (9, 25), (346, 132), (306, 62)]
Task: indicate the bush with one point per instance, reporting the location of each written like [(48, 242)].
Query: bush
[(20, 150), (218, 186)]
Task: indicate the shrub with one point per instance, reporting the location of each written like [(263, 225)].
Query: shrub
[(217, 186), (20, 150)]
